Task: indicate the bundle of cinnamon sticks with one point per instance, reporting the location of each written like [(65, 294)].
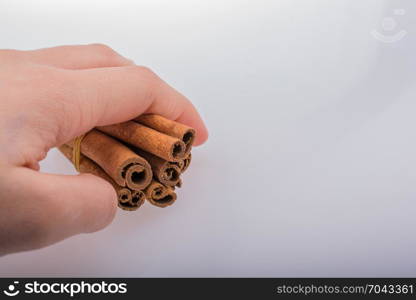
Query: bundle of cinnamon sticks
[(142, 159)]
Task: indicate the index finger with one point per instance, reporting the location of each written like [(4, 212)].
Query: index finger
[(112, 95)]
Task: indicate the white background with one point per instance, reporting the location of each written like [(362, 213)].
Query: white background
[(310, 167)]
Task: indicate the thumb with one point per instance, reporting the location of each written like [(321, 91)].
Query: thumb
[(38, 209)]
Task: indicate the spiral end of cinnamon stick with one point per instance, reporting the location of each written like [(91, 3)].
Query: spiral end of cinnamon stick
[(137, 178), (163, 201), (138, 198), (135, 200), (124, 195), (127, 206), (170, 175), (160, 195), (124, 199), (137, 175), (188, 138), (177, 151), (186, 162)]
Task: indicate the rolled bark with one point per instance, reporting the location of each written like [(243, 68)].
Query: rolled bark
[(137, 200), (167, 173), (147, 139), (180, 164), (160, 195), (124, 166), (127, 199), (186, 162), (185, 133), (123, 193)]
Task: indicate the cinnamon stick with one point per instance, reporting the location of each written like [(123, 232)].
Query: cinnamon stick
[(186, 162), (167, 173), (180, 164), (147, 139), (160, 195), (137, 200), (124, 166), (183, 164), (123, 193), (169, 127), (127, 199)]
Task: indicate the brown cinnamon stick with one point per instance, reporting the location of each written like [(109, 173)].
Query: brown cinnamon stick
[(169, 127), (137, 200), (127, 199), (160, 195), (123, 193), (147, 139), (180, 164), (167, 173), (124, 166), (186, 162)]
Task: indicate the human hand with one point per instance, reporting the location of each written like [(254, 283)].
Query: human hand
[(48, 97)]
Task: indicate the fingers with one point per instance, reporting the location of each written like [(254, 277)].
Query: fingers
[(40, 209), (112, 95), (180, 110), (77, 57)]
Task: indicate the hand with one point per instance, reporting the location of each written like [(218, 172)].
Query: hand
[(48, 97)]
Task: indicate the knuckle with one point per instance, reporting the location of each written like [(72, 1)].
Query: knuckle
[(106, 52), (145, 72), (100, 47), (51, 103), (146, 75), (149, 80)]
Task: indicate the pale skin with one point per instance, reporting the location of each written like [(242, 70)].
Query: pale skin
[(48, 97)]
